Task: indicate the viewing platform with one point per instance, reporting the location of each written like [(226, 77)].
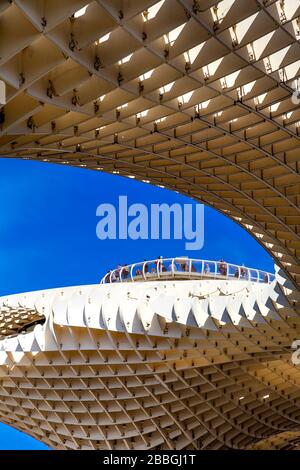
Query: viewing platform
[(185, 268)]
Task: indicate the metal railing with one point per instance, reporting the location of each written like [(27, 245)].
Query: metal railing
[(185, 268)]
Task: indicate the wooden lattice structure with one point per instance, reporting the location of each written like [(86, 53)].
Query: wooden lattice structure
[(156, 365), (195, 95)]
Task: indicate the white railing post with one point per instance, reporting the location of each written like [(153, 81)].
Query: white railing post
[(143, 270)]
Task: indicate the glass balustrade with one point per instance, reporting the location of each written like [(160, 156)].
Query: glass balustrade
[(185, 268)]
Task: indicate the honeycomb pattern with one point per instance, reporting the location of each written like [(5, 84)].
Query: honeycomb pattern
[(156, 365), (14, 320), (196, 96)]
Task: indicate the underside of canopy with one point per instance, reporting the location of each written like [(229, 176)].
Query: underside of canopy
[(196, 96)]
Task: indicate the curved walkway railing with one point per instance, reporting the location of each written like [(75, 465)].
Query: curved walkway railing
[(185, 268)]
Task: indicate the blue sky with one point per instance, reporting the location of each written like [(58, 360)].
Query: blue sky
[(48, 235)]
